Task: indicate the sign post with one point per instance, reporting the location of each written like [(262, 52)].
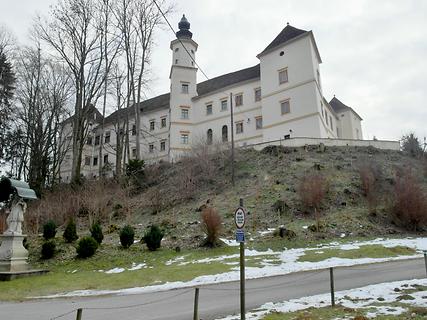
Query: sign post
[(239, 219)]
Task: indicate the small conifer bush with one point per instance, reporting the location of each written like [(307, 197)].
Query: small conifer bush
[(86, 247), (49, 230), (96, 232), (70, 232), (153, 238), (48, 249), (127, 236)]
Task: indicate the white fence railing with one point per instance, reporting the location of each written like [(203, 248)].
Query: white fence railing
[(302, 141)]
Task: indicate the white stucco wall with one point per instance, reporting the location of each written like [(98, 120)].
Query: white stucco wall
[(310, 114)]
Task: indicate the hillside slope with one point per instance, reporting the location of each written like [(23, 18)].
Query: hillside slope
[(172, 195)]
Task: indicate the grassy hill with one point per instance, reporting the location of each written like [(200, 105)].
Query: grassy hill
[(269, 181), (359, 192)]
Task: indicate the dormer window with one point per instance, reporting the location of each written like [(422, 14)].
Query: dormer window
[(184, 88), (176, 49)]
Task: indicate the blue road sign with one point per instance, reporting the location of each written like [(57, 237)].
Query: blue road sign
[(240, 235)]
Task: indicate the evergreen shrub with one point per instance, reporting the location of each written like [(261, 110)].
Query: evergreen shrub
[(96, 232), (70, 232), (153, 238), (86, 247), (127, 236), (49, 230)]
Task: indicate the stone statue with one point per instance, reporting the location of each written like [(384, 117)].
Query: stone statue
[(16, 217)]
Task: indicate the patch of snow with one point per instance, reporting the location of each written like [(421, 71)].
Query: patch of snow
[(172, 261), (137, 266), (268, 231), (115, 270), (305, 227), (360, 298), (230, 243), (342, 235), (287, 263)]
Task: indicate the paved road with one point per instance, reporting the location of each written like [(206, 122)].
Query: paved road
[(215, 300)]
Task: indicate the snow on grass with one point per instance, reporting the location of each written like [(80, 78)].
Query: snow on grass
[(230, 243), (287, 262), (360, 298), (115, 270), (134, 267), (268, 231)]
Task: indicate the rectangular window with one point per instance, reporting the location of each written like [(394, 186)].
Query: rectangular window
[(163, 122), (89, 140), (162, 145), (152, 124), (258, 94), (239, 99), (239, 127), (224, 105), (95, 161), (105, 158), (208, 109), (285, 107), (107, 137), (332, 125), (151, 148), (97, 138), (184, 114), (184, 138), (258, 123), (184, 88), (134, 130), (87, 161), (133, 152), (283, 76)]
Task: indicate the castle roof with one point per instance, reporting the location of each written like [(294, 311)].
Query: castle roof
[(338, 107), (228, 79), (203, 88), (288, 33)]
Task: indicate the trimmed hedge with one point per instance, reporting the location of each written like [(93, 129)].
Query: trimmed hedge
[(86, 247), (127, 236)]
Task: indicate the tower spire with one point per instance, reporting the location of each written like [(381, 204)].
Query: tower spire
[(184, 28)]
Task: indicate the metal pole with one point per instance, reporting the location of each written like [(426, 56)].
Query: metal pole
[(196, 304), (79, 314), (425, 259), (232, 138), (242, 276), (331, 276)]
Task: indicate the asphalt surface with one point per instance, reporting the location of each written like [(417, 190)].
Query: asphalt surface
[(215, 300)]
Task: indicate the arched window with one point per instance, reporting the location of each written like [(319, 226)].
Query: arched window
[(209, 136), (224, 133)]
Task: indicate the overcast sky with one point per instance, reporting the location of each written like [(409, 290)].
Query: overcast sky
[(374, 52)]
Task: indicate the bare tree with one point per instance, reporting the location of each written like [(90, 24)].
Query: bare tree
[(73, 32), (137, 20), (44, 89)]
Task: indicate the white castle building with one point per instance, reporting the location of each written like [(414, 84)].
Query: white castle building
[(281, 97)]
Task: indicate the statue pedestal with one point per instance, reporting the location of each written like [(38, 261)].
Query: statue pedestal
[(13, 258)]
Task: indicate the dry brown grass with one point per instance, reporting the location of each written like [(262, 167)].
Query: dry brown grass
[(312, 191), (93, 201), (211, 226), (370, 175), (409, 202)]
